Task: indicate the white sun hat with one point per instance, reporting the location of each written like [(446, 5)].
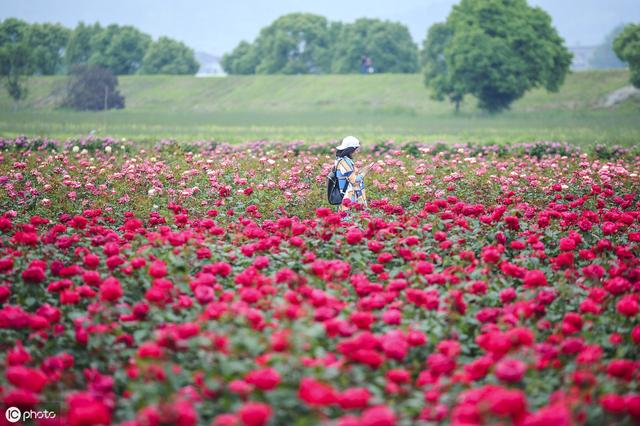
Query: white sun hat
[(349, 142)]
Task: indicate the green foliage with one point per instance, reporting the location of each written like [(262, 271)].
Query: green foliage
[(78, 50), (302, 43), (121, 49), (627, 47), (93, 88), (47, 43), (496, 50), (16, 62), (49, 49), (242, 60), (167, 56), (435, 66), (388, 44), (35, 48), (604, 57), (297, 43), (16, 86)]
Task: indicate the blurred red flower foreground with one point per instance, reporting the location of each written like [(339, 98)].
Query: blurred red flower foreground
[(206, 284)]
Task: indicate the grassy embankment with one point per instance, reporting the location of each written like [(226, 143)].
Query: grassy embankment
[(317, 108)]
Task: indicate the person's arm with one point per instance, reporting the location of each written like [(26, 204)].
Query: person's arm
[(366, 169)]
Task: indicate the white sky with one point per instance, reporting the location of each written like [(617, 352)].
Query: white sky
[(216, 26)]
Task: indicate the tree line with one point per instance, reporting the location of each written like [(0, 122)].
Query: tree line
[(49, 49), (494, 50), (304, 43)]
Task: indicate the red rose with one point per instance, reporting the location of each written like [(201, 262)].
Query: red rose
[(85, 410), (424, 268), (132, 225), (632, 402), (6, 264), (398, 375), (240, 387), (567, 244), (375, 246), (20, 398), (503, 402), (33, 274), (255, 414), (354, 236), (635, 334), (18, 355), (440, 364), (150, 350), (354, 398), (507, 295), (512, 222), (265, 379), (204, 294), (378, 416), (490, 255), (392, 316), (362, 320), (478, 369), (110, 290), (556, 415), (510, 370), (91, 261), (535, 278), (316, 393), (628, 305), (621, 369), (613, 403), (158, 269), (226, 420), (26, 378)]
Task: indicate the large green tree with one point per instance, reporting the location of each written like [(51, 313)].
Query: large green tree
[(167, 56), (297, 43), (47, 43), (79, 48), (242, 60), (388, 44), (120, 49), (497, 51), (627, 47), (16, 59)]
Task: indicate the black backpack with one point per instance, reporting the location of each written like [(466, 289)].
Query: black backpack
[(334, 195)]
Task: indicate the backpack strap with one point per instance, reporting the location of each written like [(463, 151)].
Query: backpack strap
[(350, 163), (347, 160)]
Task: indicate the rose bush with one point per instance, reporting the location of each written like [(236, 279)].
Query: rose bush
[(209, 284)]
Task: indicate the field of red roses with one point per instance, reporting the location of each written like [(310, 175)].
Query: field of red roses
[(182, 284)]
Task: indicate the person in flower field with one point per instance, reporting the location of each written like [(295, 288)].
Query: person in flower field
[(351, 180)]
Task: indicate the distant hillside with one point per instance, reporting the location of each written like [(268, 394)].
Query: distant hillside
[(385, 93)]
